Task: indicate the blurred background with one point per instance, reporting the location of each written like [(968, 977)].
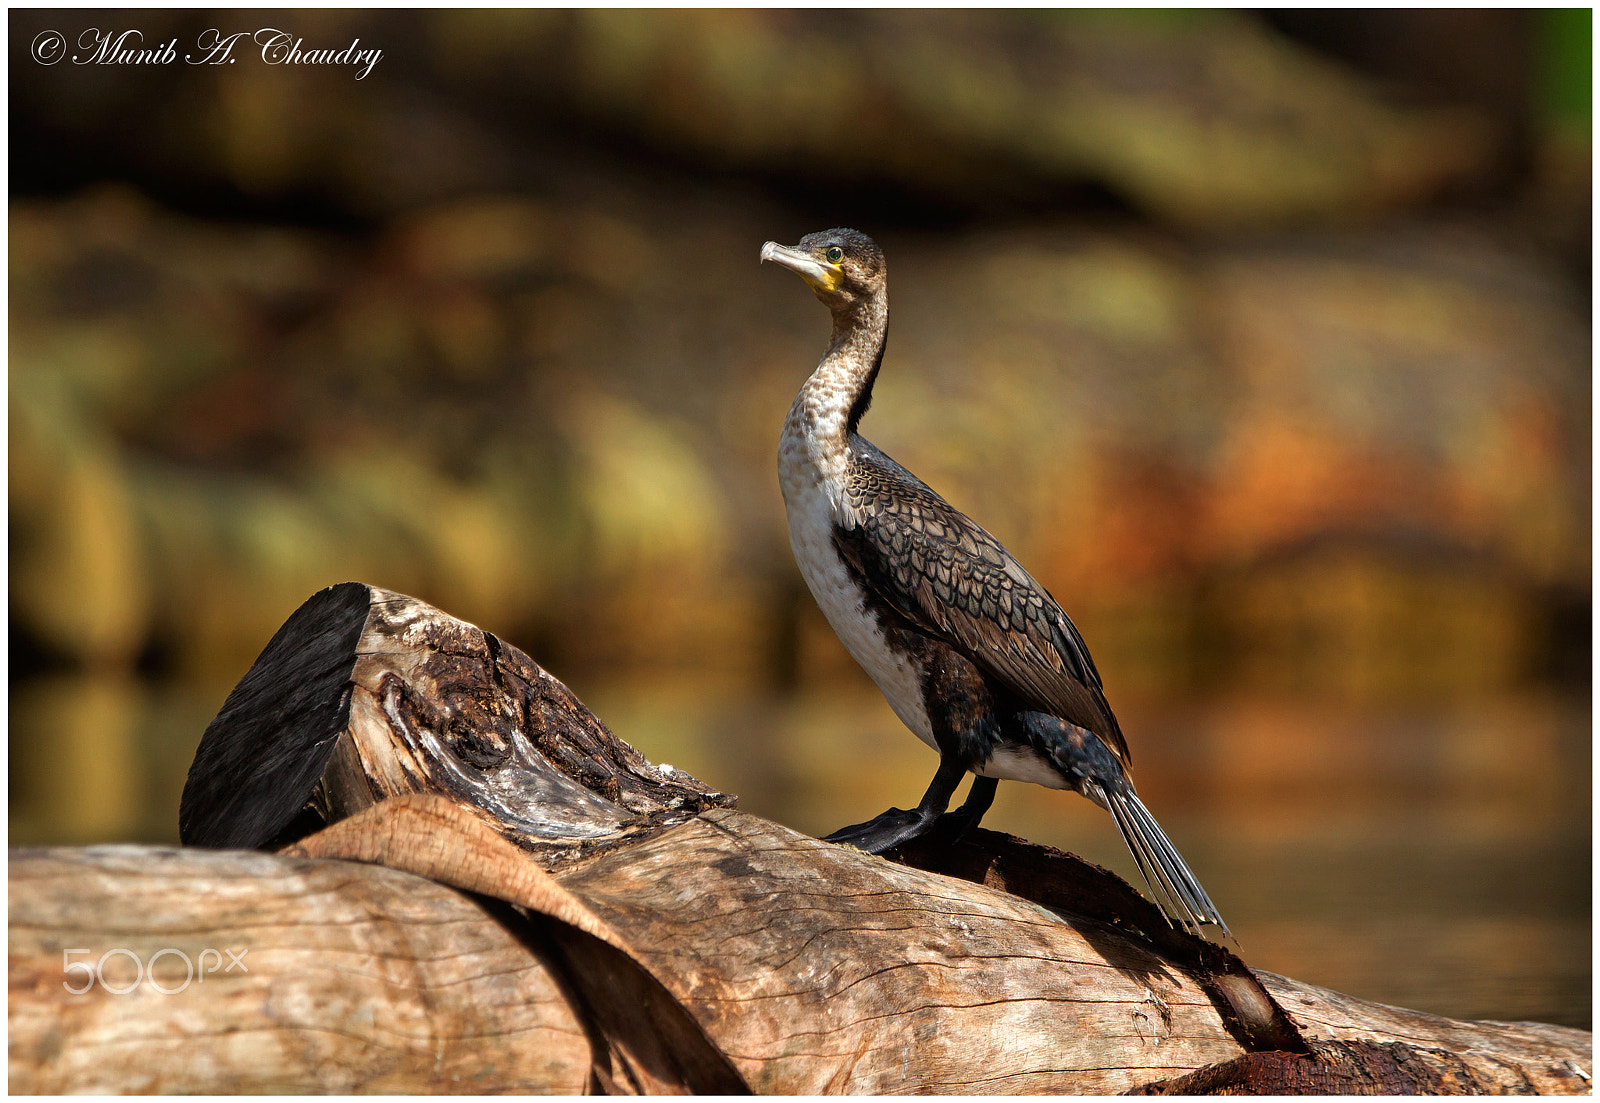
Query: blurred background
[(1263, 339)]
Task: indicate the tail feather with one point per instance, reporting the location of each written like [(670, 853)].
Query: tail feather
[(1087, 764), (1176, 890)]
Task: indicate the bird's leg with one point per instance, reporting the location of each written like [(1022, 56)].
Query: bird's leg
[(957, 825), (900, 825)]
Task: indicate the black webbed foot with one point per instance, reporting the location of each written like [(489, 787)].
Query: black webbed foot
[(901, 825), (886, 831)]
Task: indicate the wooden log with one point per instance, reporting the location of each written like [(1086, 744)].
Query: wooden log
[(365, 694), (812, 968), (539, 909), (348, 979)]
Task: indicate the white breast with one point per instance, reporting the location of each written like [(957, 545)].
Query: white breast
[(810, 495)]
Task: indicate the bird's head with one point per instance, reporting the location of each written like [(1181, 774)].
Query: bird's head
[(844, 267)]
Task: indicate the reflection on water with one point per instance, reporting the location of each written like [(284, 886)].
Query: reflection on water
[(1437, 859)]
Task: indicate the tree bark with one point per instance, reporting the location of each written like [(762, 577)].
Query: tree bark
[(537, 908)]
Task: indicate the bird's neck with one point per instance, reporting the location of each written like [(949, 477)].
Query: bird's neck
[(832, 401)]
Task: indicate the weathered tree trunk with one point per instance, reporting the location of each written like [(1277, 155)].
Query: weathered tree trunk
[(539, 909)]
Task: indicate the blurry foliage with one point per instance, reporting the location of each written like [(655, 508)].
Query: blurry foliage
[(1566, 65), (1206, 120)]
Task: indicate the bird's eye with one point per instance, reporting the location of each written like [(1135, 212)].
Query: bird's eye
[(835, 255)]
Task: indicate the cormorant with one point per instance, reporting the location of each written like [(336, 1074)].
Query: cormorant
[(974, 656)]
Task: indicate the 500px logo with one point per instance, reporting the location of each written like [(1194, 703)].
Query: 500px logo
[(91, 974), (97, 47)]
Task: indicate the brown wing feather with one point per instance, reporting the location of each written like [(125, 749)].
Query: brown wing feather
[(953, 580)]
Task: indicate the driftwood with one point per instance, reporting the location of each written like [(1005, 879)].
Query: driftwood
[(537, 908)]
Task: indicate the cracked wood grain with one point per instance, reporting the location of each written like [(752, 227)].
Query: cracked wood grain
[(821, 969), (366, 694), (644, 1042), (360, 979)]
